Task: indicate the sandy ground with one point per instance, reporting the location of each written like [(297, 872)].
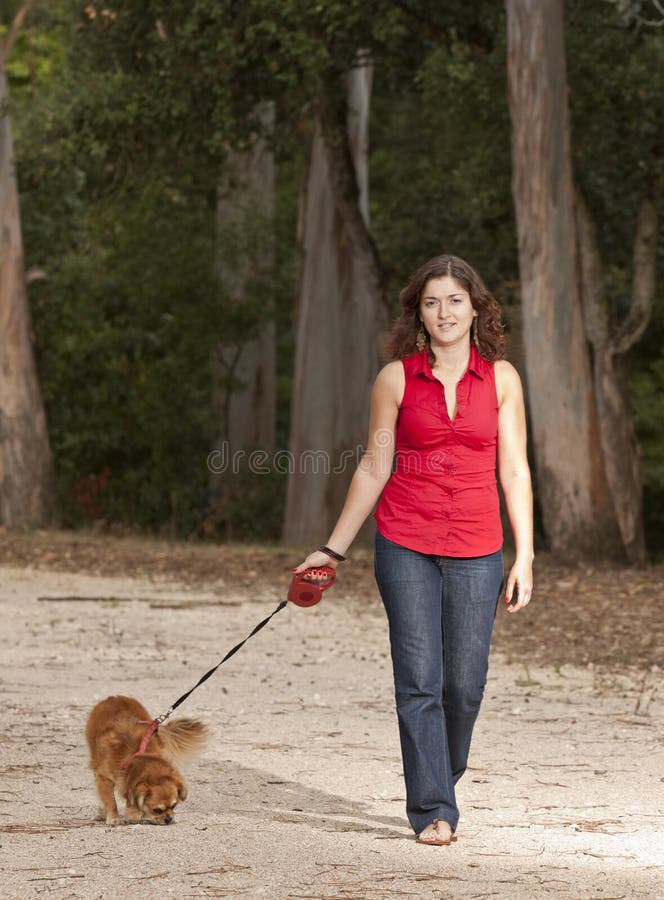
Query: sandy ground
[(300, 792)]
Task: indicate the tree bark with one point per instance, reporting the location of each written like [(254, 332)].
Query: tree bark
[(343, 118), (27, 492), (577, 510), (244, 364), (610, 345), (341, 312)]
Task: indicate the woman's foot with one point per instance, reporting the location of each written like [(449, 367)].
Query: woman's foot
[(439, 834)]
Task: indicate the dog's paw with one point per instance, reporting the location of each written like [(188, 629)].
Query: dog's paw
[(114, 819)]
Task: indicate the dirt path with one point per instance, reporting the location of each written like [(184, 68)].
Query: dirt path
[(300, 794)]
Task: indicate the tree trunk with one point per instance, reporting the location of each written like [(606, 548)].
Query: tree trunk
[(244, 362), (27, 494), (620, 449), (341, 312), (577, 511), (610, 345)]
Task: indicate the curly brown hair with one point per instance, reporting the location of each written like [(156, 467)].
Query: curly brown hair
[(400, 341)]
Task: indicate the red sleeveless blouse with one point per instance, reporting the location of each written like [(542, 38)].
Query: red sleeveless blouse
[(442, 497)]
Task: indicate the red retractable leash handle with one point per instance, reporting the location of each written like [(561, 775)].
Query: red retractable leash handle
[(307, 587)]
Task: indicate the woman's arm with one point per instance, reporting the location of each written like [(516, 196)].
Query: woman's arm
[(374, 469), (514, 474)]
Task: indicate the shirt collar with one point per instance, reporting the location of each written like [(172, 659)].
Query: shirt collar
[(422, 365)]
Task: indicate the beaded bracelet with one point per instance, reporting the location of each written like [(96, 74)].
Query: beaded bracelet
[(332, 553)]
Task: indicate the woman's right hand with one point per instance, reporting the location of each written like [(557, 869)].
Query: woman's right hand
[(314, 561)]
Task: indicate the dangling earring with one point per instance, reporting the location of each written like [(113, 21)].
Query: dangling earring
[(476, 339), (421, 339)]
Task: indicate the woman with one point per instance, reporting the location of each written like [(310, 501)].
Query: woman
[(446, 405)]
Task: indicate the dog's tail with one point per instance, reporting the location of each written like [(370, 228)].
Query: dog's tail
[(183, 737)]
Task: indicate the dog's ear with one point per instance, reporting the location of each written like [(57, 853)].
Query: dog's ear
[(138, 794), (142, 794), (182, 789)]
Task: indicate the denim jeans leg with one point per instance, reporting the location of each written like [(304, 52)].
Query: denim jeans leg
[(411, 587), (470, 600)]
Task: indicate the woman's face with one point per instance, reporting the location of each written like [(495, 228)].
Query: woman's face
[(446, 311)]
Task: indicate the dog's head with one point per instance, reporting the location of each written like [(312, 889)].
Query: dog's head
[(157, 791)]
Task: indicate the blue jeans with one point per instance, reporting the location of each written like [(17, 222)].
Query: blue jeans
[(440, 611)]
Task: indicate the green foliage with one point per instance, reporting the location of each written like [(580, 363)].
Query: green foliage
[(247, 506), (647, 390), (36, 57), (618, 131), (440, 160), (126, 324), (640, 13)]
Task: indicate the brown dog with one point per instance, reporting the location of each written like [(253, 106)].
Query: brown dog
[(149, 784)]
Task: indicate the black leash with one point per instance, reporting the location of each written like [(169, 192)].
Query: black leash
[(162, 718)]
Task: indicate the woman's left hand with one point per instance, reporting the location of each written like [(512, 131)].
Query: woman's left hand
[(519, 586)]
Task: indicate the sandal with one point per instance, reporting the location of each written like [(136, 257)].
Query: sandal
[(435, 839)]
